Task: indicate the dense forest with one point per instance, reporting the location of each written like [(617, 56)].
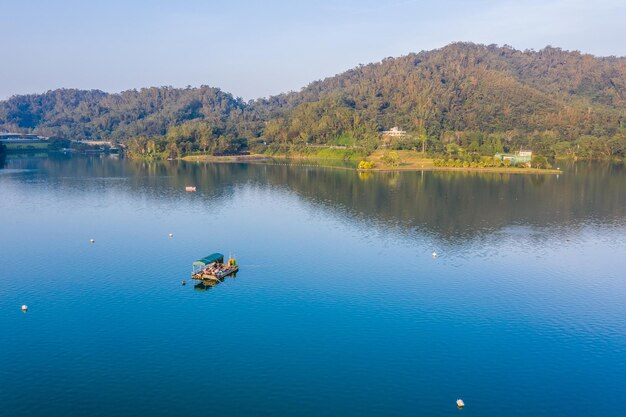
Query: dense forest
[(460, 98)]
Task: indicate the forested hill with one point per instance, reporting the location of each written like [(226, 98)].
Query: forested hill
[(462, 93), (468, 87), (94, 114)]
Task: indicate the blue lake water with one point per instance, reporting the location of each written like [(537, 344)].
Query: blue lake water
[(339, 309)]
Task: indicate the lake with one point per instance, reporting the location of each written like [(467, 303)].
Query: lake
[(339, 307)]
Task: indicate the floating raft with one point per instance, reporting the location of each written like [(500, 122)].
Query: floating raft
[(212, 267)]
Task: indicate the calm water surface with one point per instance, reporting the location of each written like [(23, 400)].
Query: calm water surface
[(339, 308)]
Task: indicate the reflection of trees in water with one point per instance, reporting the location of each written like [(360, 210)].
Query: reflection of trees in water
[(447, 204), (450, 204), (443, 203)]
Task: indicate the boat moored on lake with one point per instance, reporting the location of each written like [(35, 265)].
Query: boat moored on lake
[(212, 267)]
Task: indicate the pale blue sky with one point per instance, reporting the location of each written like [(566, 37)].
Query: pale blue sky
[(260, 48)]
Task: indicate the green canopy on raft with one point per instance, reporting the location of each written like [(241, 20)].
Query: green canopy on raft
[(214, 257)]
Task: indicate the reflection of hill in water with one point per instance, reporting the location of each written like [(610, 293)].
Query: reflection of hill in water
[(442, 203), (449, 204)]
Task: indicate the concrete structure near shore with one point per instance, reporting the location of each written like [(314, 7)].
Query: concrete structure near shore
[(22, 138), (519, 158)]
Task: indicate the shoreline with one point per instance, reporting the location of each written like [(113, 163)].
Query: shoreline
[(225, 158), (469, 169), (423, 165)]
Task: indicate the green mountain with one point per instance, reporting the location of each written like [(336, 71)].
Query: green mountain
[(97, 115), (463, 94)]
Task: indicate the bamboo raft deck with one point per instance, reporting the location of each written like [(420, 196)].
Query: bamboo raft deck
[(212, 268), (217, 275)]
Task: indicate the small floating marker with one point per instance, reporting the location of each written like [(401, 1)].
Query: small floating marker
[(190, 189), (183, 282), (24, 308), (92, 240), (460, 403), (435, 254), (171, 235)]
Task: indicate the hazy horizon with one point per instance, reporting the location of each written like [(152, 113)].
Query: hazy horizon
[(255, 51)]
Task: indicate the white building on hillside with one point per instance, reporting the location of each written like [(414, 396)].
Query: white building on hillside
[(394, 131)]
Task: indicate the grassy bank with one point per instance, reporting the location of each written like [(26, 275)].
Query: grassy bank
[(407, 160), (312, 152), (21, 147), (414, 161), (309, 153), (227, 158)]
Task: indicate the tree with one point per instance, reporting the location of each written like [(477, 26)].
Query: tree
[(172, 150), (391, 158), (205, 142), (540, 161), (424, 140)]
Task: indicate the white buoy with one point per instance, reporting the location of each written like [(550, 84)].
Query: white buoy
[(24, 308), (460, 403), (92, 240), (435, 254), (171, 235)]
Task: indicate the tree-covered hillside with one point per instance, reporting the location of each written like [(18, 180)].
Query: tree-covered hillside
[(451, 94), (465, 95), (95, 114)]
